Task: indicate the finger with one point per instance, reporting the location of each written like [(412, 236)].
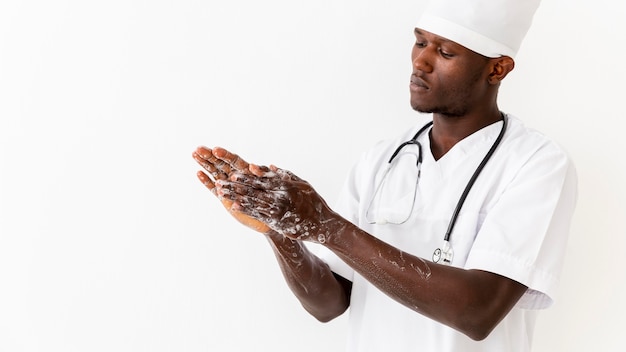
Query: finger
[(207, 182), (257, 182), (202, 151), (248, 179), (285, 174), (261, 171), (256, 208), (219, 168), (248, 196), (232, 159), (206, 154), (233, 188), (200, 159), (216, 173)]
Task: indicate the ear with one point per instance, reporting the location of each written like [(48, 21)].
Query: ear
[(500, 67)]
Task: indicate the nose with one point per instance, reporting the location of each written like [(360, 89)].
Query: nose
[(421, 59)]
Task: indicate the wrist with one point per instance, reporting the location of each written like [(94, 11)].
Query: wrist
[(331, 228), (274, 236)]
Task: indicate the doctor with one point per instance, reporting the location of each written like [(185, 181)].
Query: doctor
[(450, 237)]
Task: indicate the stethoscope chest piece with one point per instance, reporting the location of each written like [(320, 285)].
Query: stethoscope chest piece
[(444, 254)]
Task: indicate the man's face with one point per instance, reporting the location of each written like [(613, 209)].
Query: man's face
[(447, 78)]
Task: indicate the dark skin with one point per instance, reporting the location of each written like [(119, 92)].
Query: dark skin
[(328, 295), (460, 88)]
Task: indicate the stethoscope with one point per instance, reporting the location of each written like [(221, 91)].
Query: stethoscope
[(444, 254)]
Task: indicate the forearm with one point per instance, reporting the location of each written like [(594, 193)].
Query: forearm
[(309, 278), (406, 278), (467, 300)]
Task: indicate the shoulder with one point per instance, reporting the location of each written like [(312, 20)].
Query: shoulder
[(523, 144), (531, 160), (526, 138), (528, 159)]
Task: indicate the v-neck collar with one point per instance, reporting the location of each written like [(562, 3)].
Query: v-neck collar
[(477, 142)]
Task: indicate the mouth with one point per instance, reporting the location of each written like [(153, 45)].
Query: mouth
[(417, 83)]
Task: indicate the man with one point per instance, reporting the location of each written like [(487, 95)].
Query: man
[(445, 239)]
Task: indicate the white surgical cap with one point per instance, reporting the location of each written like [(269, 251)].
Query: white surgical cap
[(492, 28)]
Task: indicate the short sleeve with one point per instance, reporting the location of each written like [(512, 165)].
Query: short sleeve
[(524, 235)]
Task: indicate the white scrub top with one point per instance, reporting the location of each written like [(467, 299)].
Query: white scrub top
[(514, 222)]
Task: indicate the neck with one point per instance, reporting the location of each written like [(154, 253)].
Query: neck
[(449, 130)]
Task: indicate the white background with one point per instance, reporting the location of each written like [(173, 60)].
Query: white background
[(109, 243)]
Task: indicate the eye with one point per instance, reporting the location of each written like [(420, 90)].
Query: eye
[(420, 44), (445, 53)]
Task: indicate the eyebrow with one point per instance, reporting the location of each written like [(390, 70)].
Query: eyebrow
[(419, 31)]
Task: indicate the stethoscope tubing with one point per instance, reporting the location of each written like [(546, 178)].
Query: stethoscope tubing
[(446, 253), (470, 183), (472, 180)]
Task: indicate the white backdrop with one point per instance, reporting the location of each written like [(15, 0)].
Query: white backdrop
[(108, 242)]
